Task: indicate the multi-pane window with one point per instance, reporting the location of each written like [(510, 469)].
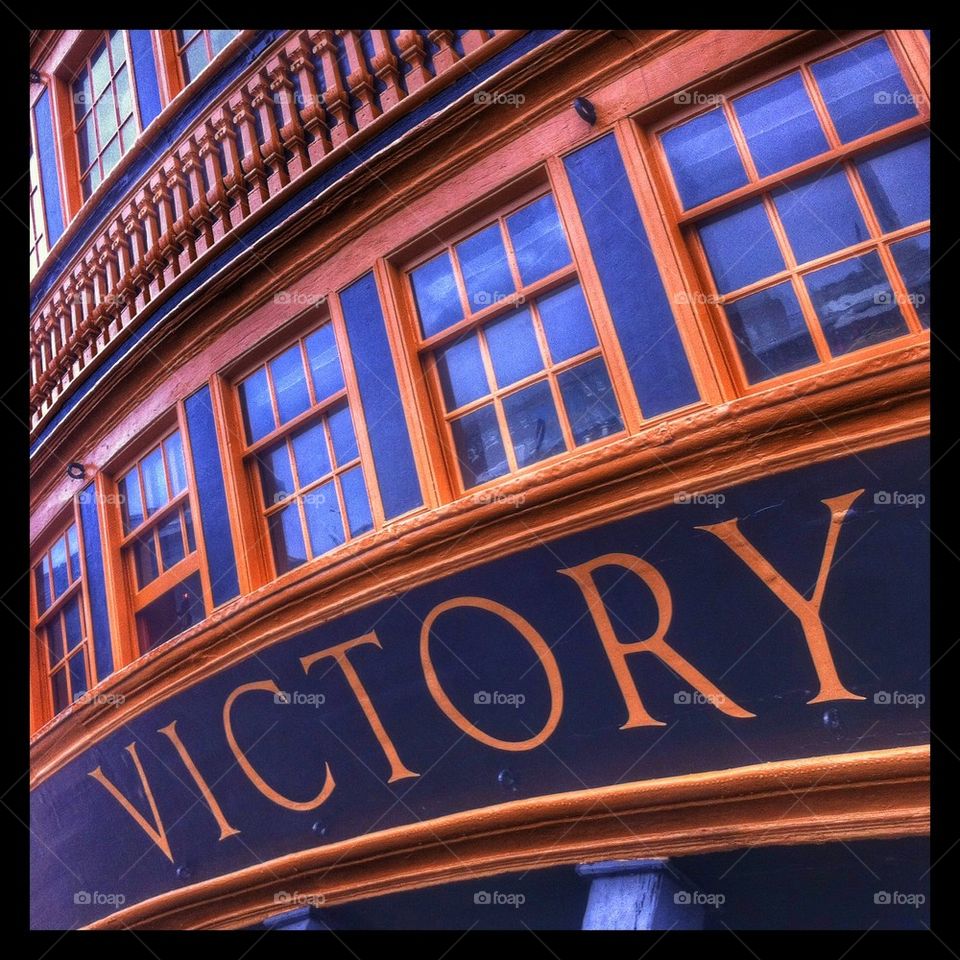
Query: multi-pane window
[(103, 109), (511, 345), (159, 543), (302, 448), (38, 233), (196, 48), (61, 624), (826, 247)]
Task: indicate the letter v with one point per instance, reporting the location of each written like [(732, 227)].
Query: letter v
[(158, 833)]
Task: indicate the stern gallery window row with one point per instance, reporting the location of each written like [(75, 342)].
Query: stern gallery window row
[(823, 251)]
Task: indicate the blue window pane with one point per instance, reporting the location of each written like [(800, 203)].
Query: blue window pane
[(864, 90), (188, 523), (772, 337), (145, 560), (483, 263), (820, 216), (780, 125), (289, 383), (913, 260), (59, 685), (71, 620), (479, 447), (355, 497), (898, 184), (741, 247), (58, 562), (462, 375), (55, 641), (855, 304), (154, 481), (322, 509), (703, 158), (286, 535), (256, 406), (538, 240), (324, 362), (78, 675), (533, 424), (173, 449), (436, 295), (73, 546), (171, 541), (42, 578), (590, 402), (129, 489), (342, 436), (513, 347), (566, 323), (311, 454), (275, 474), (171, 613)]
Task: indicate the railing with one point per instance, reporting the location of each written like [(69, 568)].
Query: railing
[(311, 93)]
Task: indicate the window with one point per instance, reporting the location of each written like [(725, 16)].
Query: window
[(103, 108), (196, 48), (159, 543), (61, 624), (824, 248), (511, 347), (302, 450), (38, 236)]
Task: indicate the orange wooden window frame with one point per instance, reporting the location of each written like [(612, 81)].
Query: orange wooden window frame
[(135, 599), (42, 670), (912, 59), (245, 459)]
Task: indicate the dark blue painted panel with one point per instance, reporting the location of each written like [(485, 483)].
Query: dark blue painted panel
[(630, 277), (47, 161), (725, 621), (380, 394), (355, 159), (96, 581), (145, 75), (214, 518)]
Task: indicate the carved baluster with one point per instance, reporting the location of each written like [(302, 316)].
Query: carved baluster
[(121, 290), (473, 40), (446, 56), (291, 132), (216, 195), (360, 83), (271, 150), (312, 114), (181, 229), (199, 212), (252, 172), (139, 277), (336, 99), (413, 51), (386, 66), (153, 261)]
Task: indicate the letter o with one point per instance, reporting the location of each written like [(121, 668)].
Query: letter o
[(537, 644)]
